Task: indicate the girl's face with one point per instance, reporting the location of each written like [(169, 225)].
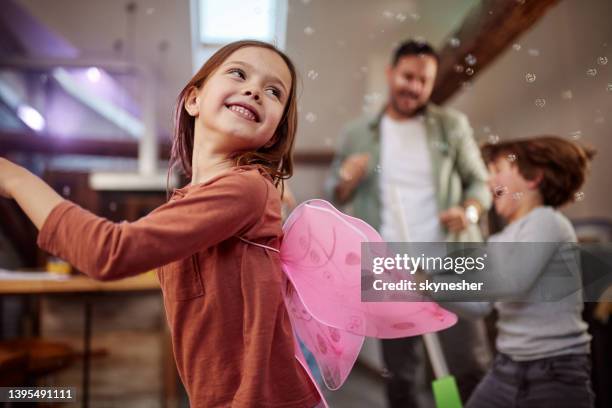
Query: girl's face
[(511, 191), (242, 102)]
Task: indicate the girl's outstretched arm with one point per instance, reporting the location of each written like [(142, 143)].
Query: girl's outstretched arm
[(226, 206), (32, 194)]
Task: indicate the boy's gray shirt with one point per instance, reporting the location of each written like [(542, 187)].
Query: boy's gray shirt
[(533, 328)]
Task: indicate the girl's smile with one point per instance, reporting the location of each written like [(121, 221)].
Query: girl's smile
[(240, 105), (244, 110)]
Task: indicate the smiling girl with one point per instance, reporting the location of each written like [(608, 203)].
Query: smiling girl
[(235, 127)]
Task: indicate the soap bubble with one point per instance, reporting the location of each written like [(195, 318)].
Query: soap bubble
[(493, 139), (66, 190), (516, 47), (575, 135), (386, 373), (500, 191), (540, 102), (400, 17), (312, 74), (567, 95), (469, 71), (533, 52), (454, 42), (470, 59), (309, 30), (609, 87), (579, 196), (512, 157), (459, 68), (602, 60), (372, 98), (530, 77), (311, 117), (591, 72)]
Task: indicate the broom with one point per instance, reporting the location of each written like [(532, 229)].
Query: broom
[(444, 387)]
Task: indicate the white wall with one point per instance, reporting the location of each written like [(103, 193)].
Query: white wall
[(569, 41)]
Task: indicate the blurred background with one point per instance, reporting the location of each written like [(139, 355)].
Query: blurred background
[(87, 92)]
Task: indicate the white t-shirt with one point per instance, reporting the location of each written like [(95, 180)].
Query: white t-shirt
[(406, 168)]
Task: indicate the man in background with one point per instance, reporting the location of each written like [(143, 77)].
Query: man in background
[(424, 157)]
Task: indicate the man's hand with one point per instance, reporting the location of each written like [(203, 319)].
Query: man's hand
[(454, 219), (351, 173)]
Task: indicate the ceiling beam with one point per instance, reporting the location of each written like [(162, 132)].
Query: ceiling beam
[(28, 142), (487, 31)]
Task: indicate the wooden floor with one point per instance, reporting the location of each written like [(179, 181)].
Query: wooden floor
[(126, 369), (130, 373)]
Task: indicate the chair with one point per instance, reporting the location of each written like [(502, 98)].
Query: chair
[(25, 360)]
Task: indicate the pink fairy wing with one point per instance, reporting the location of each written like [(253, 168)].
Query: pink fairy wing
[(321, 257), (334, 350)]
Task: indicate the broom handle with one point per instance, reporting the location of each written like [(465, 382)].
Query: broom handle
[(432, 343), (436, 355)]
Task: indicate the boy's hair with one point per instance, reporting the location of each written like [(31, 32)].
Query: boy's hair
[(276, 159), (562, 164), (412, 48)]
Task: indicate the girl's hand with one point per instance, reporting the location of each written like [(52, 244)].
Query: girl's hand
[(34, 197), (9, 177)]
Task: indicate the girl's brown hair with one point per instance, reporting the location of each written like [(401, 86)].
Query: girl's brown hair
[(276, 159), (562, 164)]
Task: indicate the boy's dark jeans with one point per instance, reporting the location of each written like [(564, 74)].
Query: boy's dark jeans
[(563, 381)]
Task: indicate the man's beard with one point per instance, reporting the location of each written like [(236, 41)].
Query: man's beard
[(414, 112)]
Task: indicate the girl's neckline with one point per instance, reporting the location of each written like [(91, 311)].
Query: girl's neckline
[(183, 190)]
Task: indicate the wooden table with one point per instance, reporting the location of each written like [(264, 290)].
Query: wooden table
[(78, 284), (81, 284)]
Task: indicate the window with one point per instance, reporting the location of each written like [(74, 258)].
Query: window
[(223, 21)]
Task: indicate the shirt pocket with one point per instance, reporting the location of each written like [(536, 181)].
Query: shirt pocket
[(181, 280)]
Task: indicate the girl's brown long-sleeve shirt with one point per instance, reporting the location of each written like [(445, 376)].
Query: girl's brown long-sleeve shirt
[(231, 334)]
